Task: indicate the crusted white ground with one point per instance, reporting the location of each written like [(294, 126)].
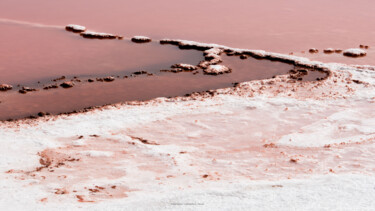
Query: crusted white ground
[(266, 145)]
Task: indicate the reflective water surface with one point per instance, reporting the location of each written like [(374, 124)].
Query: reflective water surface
[(35, 48)]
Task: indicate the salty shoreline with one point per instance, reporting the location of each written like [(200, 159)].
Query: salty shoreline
[(241, 146), (55, 100), (121, 117)]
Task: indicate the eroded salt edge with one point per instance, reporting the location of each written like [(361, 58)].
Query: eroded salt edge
[(301, 61), (21, 141)]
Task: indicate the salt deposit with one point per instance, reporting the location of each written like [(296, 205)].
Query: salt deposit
[(354, 52), (216, 70), (75, 28), (98, 35)]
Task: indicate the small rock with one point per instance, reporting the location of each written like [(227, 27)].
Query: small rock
[(28, 89), (329, 50), (313, 50), (75, 28), (354, 52), (185, 67), (41, 114), (5, 87), (338, 50), (67, 84), (243, 56), (141, 39), (173, 70), (59, 79), (109, 79), (364, 46), (98, 35), (24, 90), (53, 86), (302, 71), (141, 72)]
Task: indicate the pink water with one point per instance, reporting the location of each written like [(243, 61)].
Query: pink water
[(280, 26), (34, 47)]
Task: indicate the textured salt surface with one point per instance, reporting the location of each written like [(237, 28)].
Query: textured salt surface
[(263, 144)]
